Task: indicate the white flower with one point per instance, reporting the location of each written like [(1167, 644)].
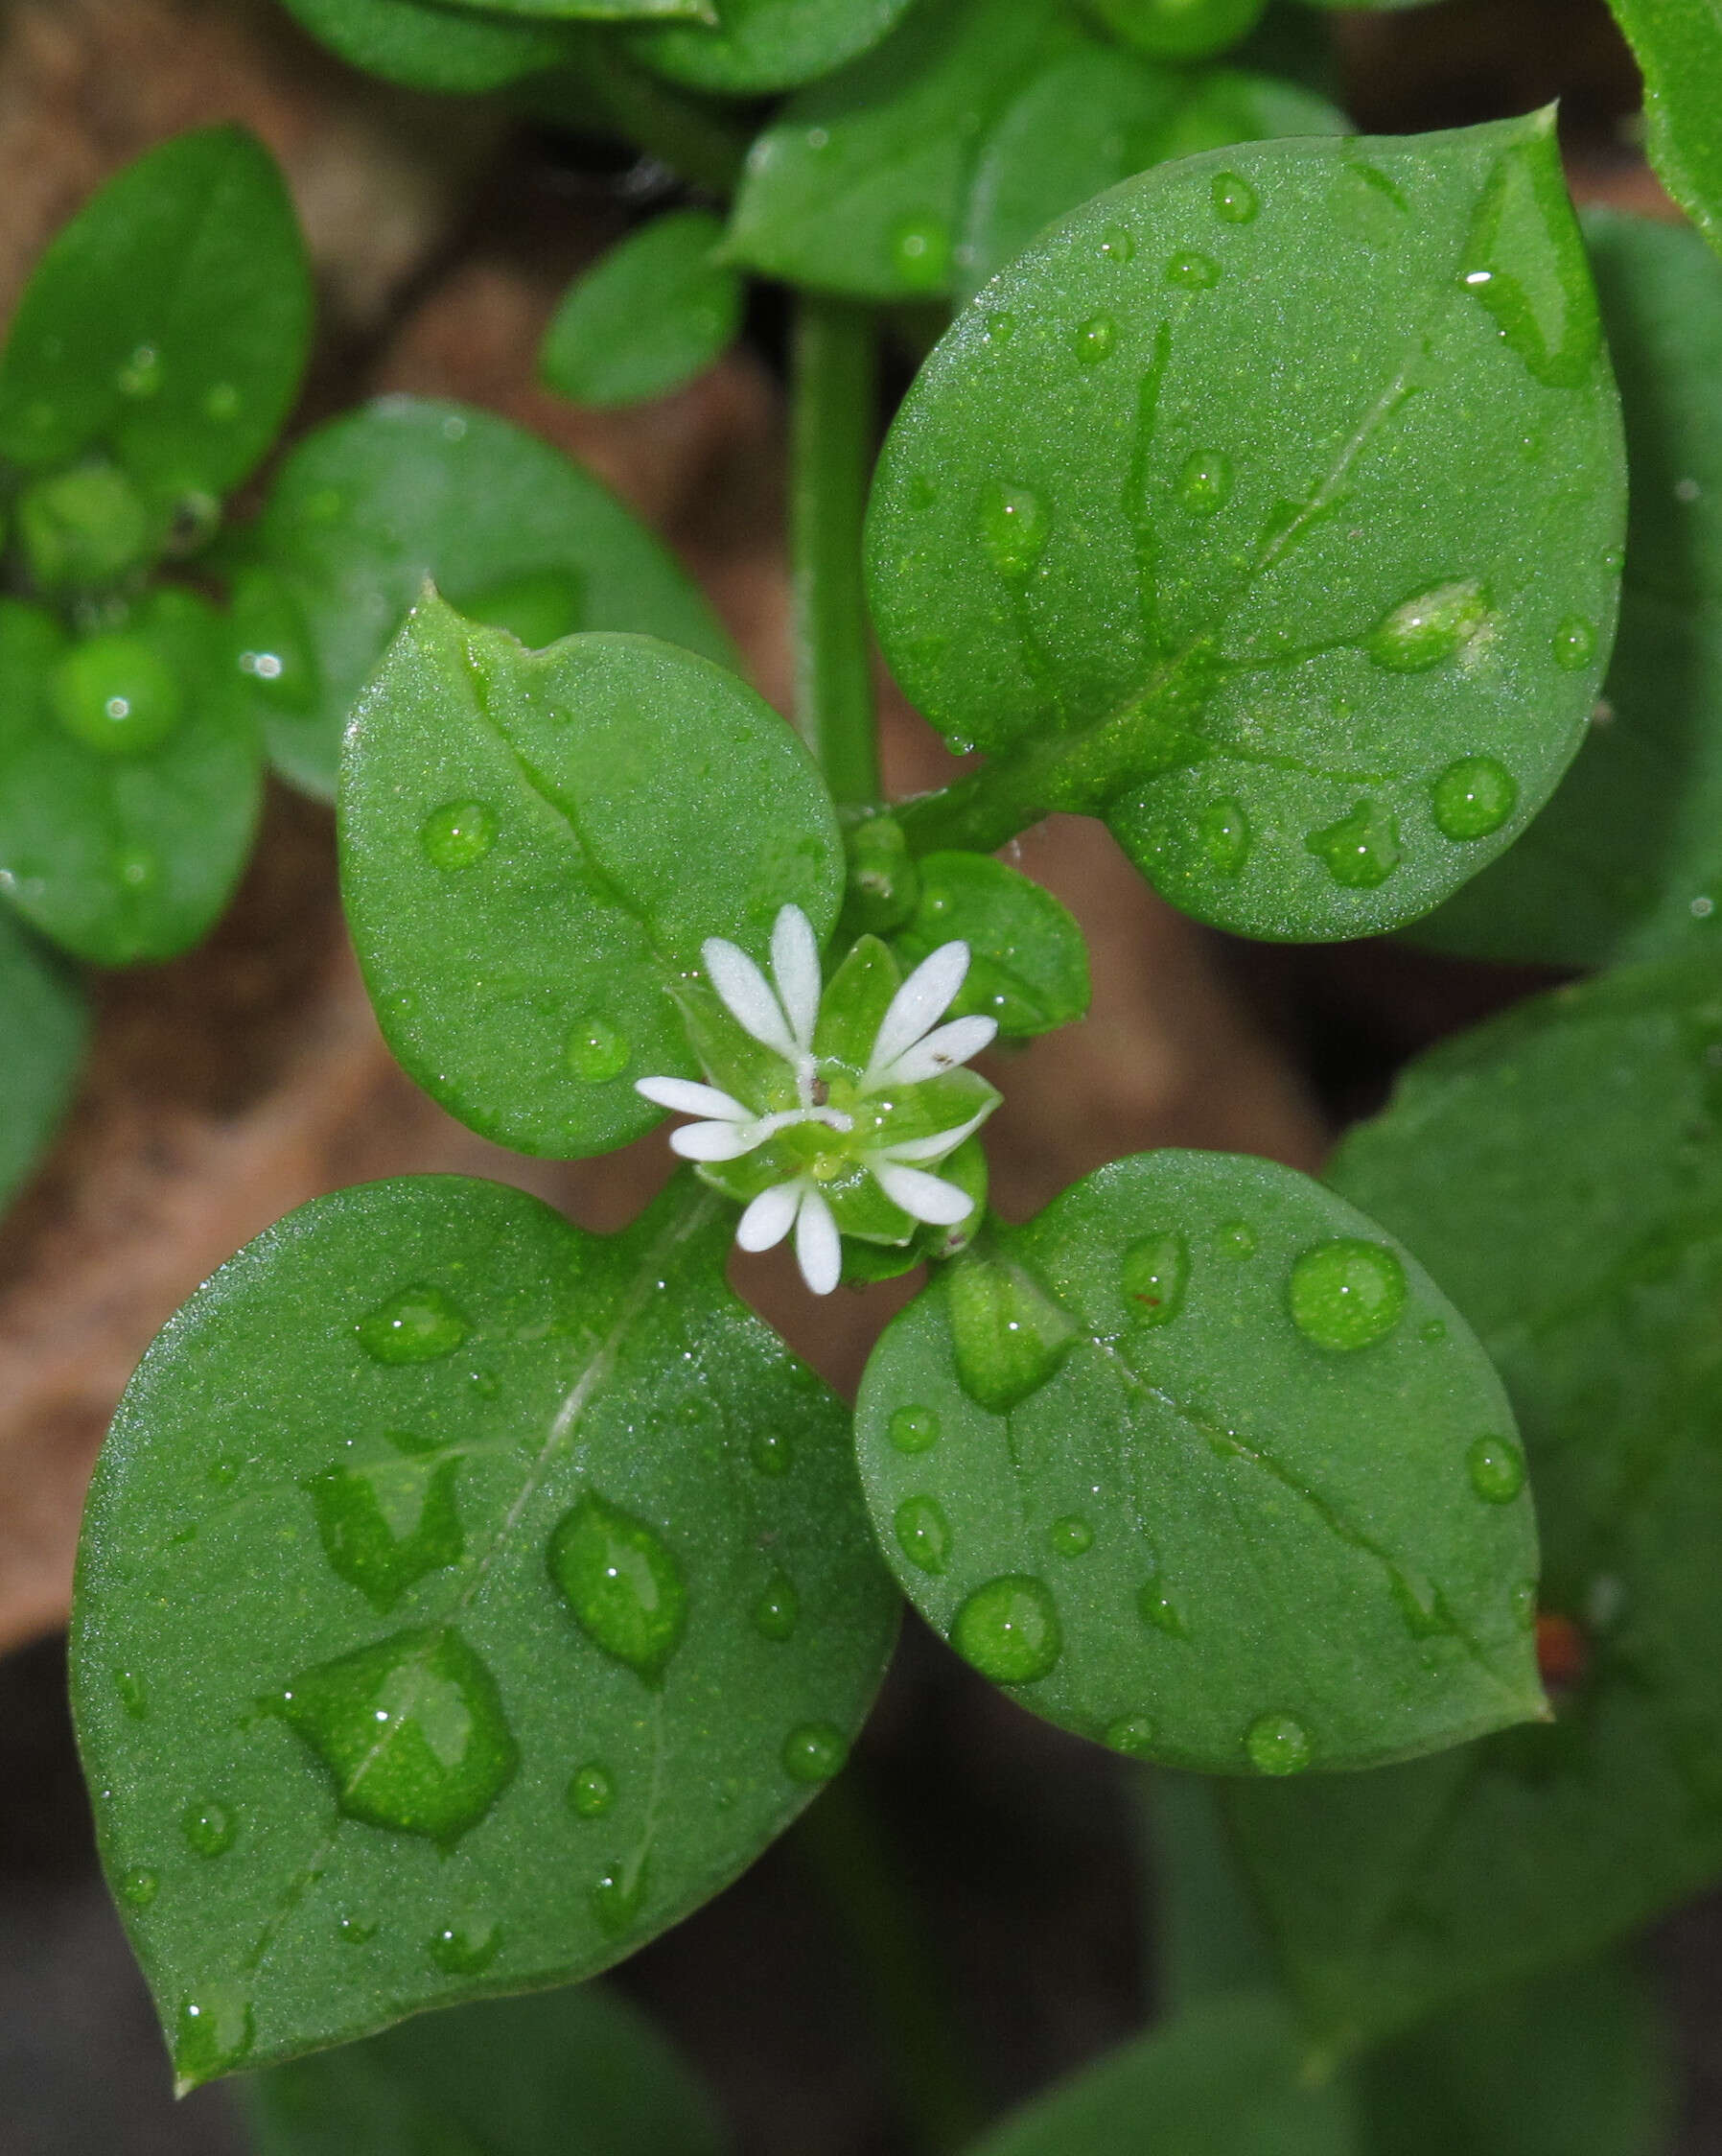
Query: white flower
[(910, 1048)]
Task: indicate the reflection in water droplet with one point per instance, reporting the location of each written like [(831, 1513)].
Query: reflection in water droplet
[(1277, 1744), (1157, 1608), (1007, 1334), (1524, 262), (1014, 528), (1071, 1537), (1235, 200), (772, 1452), (1497, 1469), (924, 1534), (597, 1052), (920, 250), (1116, 244), (134, 1694), (1429, 628), (1205, 485), (1473, 798), (1156, 1273), (779, 1610), (592, 1792), (814, 1751), (209, 1828), (384, 1526), (356, 1931), (1132, 1735), (212, 2033), (416, 1325), (1347, 1293), (1574, 644), (1237, 1239), (1361, 850), (1095, 339), (617, 1894), (625, 1589), (914, 1429), (137, 868), (117, 695), (139, 1888), (462, 1949), (1197, 272), (411, 1728), (458, 834), (1008, 1630)]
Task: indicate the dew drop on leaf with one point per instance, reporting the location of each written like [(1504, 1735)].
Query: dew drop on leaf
[(1347, 1294), (1497, 1469), (778, 1608), (1095, 338), (1008, 1630), (1156, 1273), (1116, 244), (116, 695), (924, 1534), (416, 1325), (1432, 1331), (1473, 798), (920, 253), (134, 1695), (209, 1828), (1192, 269), (140, 377), (222, 403), (1205, 485), (597, 1052), (1524, 262), (1361, 850), (1014, 528), (1235, 200), (1008, 1333), (139, 1888), (1429, 628), (1574, 644), (772, 1452), (1277, 1744), (914, 1429), (1071, 1537), (137, 868), (385, 1526), (592, 1792), (458, 834), (1522, 1602), (625, 1589), (1001, 327), (1157, 1608), (616, 1895), (212, 2033), (462, 1949), (223, 1473), (1132, 1734), (1237, 1239), (814, 1751), (355, 1931)]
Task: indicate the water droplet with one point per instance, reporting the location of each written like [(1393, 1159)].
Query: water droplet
[(212, 2033), (224, 1473), (416, 1325), (116, 696), (458, 834), (1001, 327), (413, 1730), (1347, 1293), (209, 1828), (1014, 528), (1157, 1608), (1523, 1603), (914, 1429), (136, 868), (623, 1586), (1132, 1735), (1237, 1239), (1524, 262), (924, 1534), (1197, 272), (1432, 1331), (464, 1948), (1574, 644), (597, 1052), (779, 1610), (1473, 798), (139, 1888), (140, 377), (1116, 244), (1157, 1271), (813, 1751), (222, 403), (1361, 850), (1235, 200), (921, 251), (1204, 486), (1429, 628), (1008, 1333), (1008, 1630), (1277, 1744), (1071, 1537), (384, 1526), (772, 1452), (617, 1894), (355, 1931), (592, 1792), (1095, 339), (1497, 1469), (134, 1693)]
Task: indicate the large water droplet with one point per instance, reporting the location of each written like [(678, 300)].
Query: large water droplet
[(1361, 849), (209, 1828), (1429, 628), (1473, 798), (1574, 644), (413, 1730), (134, 1694), (912, 1429), (1008, 1333), (1233, 199), (1155, 1606), (1132, 1735), (624, 1587), (212, 2033), (1205, 485), (1156, 1273), (1526, 263), (618, 1895), (778, 1608), (1347, 1293), (814, 1751), (116, 695), (1071, 1537), (921, 251), (1497, 1469), (139, 1888), (384, 1526), (597, 1052), (592, 1792), (1194, 270), (1010, 1629), (924, 1534), (416, 1325), (458, 834), (463, 1947), (1095, 339), (1277, 1744), (1014, 528)]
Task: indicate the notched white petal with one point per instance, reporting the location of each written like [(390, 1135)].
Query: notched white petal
[(795, 968), (686, 1098), (770, 1217), (922, 999), (921, 1196), (713, 1141), (942, 1051), (818, 1251), (747, 996)]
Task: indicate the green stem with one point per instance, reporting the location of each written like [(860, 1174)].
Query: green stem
[(840, 1840), (832, 435), (602, 90)]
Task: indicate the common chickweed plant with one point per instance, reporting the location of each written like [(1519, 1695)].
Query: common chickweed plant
[(464, 1597)]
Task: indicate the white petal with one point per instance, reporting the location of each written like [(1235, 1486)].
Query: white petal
[(747, 997), (689, 1099), (922, 1197), (923, 999), (713, 1141), (795, 968), (936, 1147), (940, 1051), (818, 1251), (770, 1217)]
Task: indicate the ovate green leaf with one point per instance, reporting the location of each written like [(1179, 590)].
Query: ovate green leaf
[(429, 47), (1028, 965), (645, 317), (769, 44), (1181, 30), (1678, 44), (1189, 1462), (44, 1033), (535, 844), (384, 1521), (1315, 620)]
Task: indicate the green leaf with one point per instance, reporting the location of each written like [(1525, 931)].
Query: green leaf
[(1206, 1937), (371, 506), (1182, 30), (578, 2071), (346, 1768), (1224, 2079), (1028, 962), (428, 47), (130, 778), (1575, 2064), (769, 44), (1317, 637), (167, 322), (647, 316), (859, 184), (1677, 46), (535, 845), (46, 1028), (1562, 1169), (1627, 860), (620, 12), (1188, 1459)]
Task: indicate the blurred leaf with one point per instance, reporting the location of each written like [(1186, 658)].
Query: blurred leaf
[(1181, 30), (650, 314), (768, 44), (45, 1030), (428, 47), (1677, 46)]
